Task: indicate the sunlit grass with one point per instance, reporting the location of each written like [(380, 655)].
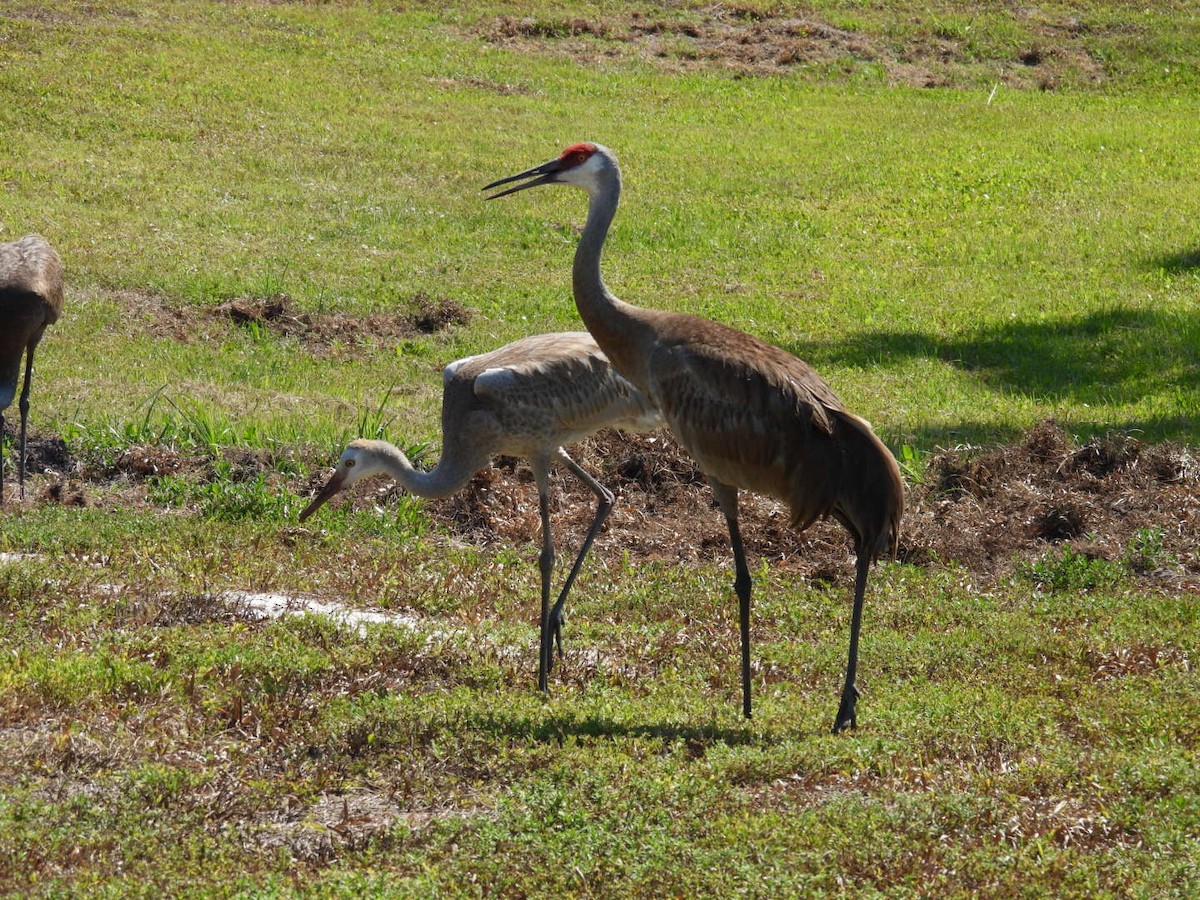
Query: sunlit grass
[(958, 262), (1046, 728), (942, 256)]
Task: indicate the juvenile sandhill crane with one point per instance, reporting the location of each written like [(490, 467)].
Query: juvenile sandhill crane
[(527, 398), (752, 415), (31, 297)]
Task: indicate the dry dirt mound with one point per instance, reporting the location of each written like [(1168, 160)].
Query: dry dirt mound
[(986, 510), (317, 332), (276, 315)]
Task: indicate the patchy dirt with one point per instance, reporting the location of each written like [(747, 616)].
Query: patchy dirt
[(752, 42), (339, 823), (317, 332), (1016, 501), (988, 510), (71, 480)]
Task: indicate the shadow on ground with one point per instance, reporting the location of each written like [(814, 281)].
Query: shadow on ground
[(1180, 263), (558, 728), (1109, 357)]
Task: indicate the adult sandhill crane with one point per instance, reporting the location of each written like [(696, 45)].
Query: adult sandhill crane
[(752, 415), (527, 398), (31, 297)]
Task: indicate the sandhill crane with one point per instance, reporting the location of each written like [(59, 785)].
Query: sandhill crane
[(31, 297), (527, 398), (752, 415)]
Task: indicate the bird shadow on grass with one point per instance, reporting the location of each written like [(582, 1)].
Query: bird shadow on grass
[(558, 728), (1114, 356)]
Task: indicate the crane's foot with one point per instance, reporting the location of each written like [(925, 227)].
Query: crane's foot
[(558, 616), (545, 661), (846, 717)]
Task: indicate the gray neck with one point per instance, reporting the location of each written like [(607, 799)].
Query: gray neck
[(614, 324), (446, 478)]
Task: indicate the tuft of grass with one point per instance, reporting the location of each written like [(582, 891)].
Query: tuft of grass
[(1068, 570), (226, 498), (1146, 552), (913, 463)]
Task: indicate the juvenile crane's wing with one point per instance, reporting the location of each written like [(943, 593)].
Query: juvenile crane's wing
[(564, 381)]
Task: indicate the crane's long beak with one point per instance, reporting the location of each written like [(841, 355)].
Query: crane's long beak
[(332, 486), (543, 174)]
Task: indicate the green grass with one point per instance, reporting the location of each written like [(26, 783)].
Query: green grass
[(1012, 738), (944, 260), (958, 261)]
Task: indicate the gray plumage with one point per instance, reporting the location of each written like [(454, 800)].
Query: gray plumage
[(528, 398)]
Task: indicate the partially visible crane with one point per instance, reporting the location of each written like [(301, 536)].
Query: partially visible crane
[(31, 297), (752, 415), (528, 399)]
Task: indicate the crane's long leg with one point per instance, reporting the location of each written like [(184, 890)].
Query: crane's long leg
[(541, 475), (846, 712), (603, 507), (727, 498), (1, 457), (24, 406)]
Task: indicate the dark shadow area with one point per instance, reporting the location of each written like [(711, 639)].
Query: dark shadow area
[(1112, 356), (1177, 263), (966, 434), (556, 729)]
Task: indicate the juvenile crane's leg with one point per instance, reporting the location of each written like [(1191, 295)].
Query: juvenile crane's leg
[(541, 475), (727, 499), (846, 713), (1, 457), (603, 507), (24, 407)]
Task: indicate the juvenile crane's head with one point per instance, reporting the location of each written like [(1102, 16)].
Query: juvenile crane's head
[(360, 459), (588, 166)]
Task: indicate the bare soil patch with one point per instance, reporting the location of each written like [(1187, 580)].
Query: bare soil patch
[(340, 823), (751, 42), (318, 332)]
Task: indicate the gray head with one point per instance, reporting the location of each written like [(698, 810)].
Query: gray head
[(586, 165), (360, 459)]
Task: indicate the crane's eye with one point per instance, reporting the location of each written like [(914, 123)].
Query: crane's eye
[(349, 464)]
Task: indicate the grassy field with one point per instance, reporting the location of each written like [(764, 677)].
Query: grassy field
[(969, 218)]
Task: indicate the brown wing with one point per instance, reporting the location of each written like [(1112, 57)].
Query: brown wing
[(759, 418)]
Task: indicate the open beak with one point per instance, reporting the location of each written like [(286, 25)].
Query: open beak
[(332, 486), (543, 174)]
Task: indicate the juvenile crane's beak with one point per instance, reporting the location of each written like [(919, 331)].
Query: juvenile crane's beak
[(332, 486), (543, 174)]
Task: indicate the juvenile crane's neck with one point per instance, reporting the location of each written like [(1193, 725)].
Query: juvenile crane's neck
[(446, 478), (617, 326)]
